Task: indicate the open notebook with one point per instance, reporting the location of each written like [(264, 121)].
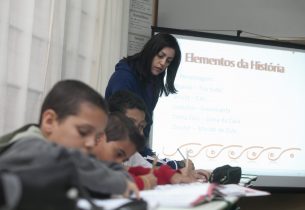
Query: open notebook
[(117, 204), (179, 195)]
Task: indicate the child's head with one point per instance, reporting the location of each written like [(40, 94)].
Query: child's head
[(129, 104), (122, 140), (73, 115)]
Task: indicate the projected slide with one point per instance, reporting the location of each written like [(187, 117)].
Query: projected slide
[(237, 104)]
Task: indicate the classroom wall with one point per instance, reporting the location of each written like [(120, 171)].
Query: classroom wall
[(277, 18), (274, 18)]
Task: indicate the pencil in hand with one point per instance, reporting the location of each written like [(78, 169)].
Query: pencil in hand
[(187, 162), (154, 164), (181, 154)]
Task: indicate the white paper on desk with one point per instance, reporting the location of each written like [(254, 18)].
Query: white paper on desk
[(180, 195), (110, 204), (240, 191), (107, 204)]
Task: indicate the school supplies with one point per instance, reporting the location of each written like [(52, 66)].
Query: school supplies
[(225, 175)]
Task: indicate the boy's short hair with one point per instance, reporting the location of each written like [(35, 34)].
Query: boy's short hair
[(122, 100), (121, 127), (66, 96)]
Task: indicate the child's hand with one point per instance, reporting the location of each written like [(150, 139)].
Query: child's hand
[(178, 178), (150, 181), (199, 174), (130, 189), (188, 169), (189, 164), (202, 175)]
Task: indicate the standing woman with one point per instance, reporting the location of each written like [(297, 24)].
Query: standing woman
[(143, 73)]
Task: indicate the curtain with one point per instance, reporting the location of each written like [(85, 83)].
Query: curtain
[(44, 41)]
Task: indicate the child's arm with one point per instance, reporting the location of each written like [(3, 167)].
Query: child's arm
[(93, 174)]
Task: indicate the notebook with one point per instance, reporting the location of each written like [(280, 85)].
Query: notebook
[(238, 191), (179, 195), (117, 204)]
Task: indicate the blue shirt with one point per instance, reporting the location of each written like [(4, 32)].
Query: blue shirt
[(125, 78)]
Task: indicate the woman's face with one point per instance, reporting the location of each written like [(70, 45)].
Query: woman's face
[(162, 60)]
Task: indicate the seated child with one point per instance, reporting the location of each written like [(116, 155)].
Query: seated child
[(121, 141), (73, 118), (134, 108)]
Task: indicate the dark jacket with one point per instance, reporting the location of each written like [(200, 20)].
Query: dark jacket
[(125, 78), (34, 150)]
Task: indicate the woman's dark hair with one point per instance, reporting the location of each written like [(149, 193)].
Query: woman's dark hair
[(142, 61), (122, 100), (121, 127), (66, 97)]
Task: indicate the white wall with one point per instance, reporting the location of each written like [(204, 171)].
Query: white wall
[(276, 18)]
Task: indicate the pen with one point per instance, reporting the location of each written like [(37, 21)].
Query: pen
[(187, 161), (154, 164), (181, 154)]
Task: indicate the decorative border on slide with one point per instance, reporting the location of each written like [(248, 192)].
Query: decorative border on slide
[(235, 152)]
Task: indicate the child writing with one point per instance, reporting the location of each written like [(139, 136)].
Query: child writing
[(134, 108), (121, 141), (73, 118)]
